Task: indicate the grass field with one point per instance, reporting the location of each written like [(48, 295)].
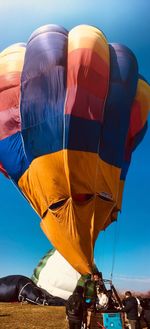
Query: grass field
[(27, 316)]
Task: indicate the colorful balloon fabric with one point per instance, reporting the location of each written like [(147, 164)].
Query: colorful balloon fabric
[(55, 275), (72, 110)]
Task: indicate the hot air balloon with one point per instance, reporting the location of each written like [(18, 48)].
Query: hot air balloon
[(19, 288), (55, 275), (72, 109)]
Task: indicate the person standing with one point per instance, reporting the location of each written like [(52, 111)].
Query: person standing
[(131, 309), (75, 308), (92, 288), (146, 311)]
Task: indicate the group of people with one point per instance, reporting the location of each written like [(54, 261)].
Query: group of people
[(137, 311), (92, 296), (86, 299)]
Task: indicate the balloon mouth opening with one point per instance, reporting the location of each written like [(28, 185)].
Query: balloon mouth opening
[(57, 204), (82, 197)]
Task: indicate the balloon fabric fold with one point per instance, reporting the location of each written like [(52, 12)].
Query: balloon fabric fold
[(72, 110)]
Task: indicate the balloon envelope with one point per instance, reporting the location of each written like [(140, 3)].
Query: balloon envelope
[(55, 275), (72, 110)]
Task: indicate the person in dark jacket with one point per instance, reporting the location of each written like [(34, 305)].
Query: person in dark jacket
[(145, 303), (75, 308), (131, 309)]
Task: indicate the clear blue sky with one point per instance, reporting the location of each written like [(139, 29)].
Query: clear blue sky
[(22, 243)]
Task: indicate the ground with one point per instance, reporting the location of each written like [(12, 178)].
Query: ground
[(27, 316)]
